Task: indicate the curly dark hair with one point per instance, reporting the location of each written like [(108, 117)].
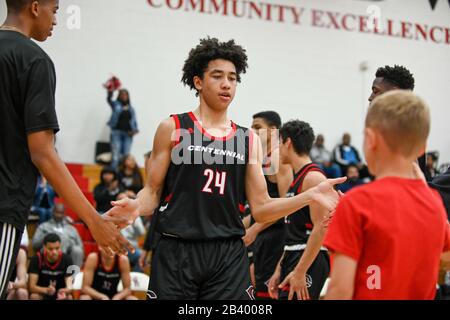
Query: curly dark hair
[(211, 49), (301, 135), (397, 75)]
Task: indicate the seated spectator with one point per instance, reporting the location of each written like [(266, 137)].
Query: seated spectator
[(129, 174), (48, 272), (101, 277), (44, 200), (17, 286), (71, 243), (107, 190), (132, 233), (353, 179), (430, 167), (320, 155), (345, 154)]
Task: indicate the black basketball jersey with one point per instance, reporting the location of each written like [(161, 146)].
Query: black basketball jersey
[(272, 188), (50, 274), (299, 224), (204, 190), (106, 281)]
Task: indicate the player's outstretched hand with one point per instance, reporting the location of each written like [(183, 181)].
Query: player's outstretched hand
[(123, 213), (325, 195), (108, 237)]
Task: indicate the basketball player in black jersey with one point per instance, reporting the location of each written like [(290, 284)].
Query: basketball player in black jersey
[(202, 168), (49, 272), (304, 266), (389, 78), (101, 276), (268, 238)]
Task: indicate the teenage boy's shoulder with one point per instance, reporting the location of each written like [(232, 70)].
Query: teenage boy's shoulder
[(21, 45)]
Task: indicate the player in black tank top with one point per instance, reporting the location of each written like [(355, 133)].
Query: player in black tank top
[(269, 243), (102, 275), (202, 201), (304, 266), (200, 253)]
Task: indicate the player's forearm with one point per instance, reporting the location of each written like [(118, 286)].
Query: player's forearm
[(123, 294), (148, 200), (312, 250), (278, 267), (337, 292), (51, 166), (20, 284), (274, 209), (94, 294), (38, 289)]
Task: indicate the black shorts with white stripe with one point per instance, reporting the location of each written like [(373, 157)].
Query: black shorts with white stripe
[(9, 247)]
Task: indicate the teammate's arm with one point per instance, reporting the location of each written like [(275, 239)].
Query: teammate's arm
[(34, 288), (297, 278), (124, 266), (21, 271), (342, 280), (284, 179), (265, 209), (158, 164), (275, 280), (88, 278), (45, 158)]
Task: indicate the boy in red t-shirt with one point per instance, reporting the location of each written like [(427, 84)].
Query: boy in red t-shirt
[(387, 237)]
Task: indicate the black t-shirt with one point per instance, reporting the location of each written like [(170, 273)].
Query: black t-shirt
[(55, 273), (27, 104), (124, 120)]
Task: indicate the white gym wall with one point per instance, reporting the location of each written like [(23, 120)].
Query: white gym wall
[(299, 70)]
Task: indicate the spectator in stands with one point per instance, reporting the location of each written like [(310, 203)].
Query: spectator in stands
[(133, 234), (431, 163), (353, 179), (320, 155), (101, 276), (44, 200), (49, 277), (18, 287), (107, 190), (71, 243), (345, 154), (123, 124), (129, 174)]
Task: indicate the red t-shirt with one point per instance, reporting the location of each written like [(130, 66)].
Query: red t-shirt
[(396, 228)]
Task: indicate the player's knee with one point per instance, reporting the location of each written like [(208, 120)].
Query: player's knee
[(35, 296), (85, 297), (22, 294)]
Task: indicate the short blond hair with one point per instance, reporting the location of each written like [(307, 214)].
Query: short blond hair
[(403, 119)]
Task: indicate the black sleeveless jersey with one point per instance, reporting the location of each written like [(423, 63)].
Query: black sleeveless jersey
[(204, 189), (299, 224), (106, 281), (272, 189)]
